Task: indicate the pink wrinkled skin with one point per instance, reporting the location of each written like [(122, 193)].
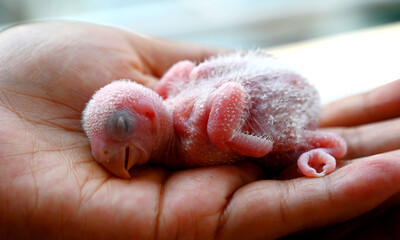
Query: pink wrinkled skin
[(234, 107)]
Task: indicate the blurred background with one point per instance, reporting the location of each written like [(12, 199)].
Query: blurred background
[(229, 23), (341, 61)]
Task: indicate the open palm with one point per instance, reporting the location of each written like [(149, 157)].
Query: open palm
[(50, 186)]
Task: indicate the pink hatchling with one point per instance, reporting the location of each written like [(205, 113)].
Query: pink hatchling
[(243, 105)]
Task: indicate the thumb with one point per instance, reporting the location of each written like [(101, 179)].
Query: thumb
[(161, 54)]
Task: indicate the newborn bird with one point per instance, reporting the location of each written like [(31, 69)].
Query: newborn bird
[(233, 107)]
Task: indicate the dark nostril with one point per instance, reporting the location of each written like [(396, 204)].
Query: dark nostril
[(126, 157)]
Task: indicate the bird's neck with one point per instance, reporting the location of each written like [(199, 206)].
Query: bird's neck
[(165, 140)]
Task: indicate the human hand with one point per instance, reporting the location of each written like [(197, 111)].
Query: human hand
[(370, 123), (50, 186)]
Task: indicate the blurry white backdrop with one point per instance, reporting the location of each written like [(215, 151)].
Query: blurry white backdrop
[(336, 70), (230, 23)]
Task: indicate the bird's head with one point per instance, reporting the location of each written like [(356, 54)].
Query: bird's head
[(124, 122)]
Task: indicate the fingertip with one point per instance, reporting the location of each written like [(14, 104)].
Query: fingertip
[(379, 104), (377, 175)]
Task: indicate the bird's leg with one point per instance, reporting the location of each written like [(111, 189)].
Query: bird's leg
[(225, 120), (177, 73)]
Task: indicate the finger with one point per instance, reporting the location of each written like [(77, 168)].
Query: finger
[(272, 209), (145, 79), (161, 54), (379, 104), (371, 139), (192, 200)]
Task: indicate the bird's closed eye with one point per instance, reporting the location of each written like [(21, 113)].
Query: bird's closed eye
[(121, 124)]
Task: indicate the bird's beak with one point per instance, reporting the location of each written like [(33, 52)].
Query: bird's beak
[(119, 160)]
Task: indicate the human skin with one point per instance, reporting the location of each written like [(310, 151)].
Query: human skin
[(50, 187)]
